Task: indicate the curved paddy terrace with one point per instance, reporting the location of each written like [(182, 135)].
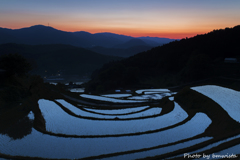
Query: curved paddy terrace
[(116, 111), (227, 98), (144, 111), (80, 147), (60, 122), (117, 95), (107, 99), (177, 124)]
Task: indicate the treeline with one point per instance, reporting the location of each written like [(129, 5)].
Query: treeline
[(51, 59), (15, 82), (17, 97), (174, 63), (19, 94)]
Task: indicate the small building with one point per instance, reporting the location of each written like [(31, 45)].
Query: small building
[(230, 60)]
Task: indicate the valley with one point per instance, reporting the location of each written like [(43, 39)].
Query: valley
[(177, 100)]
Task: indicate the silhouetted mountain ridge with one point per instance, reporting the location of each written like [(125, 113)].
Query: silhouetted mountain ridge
[(40, 34)]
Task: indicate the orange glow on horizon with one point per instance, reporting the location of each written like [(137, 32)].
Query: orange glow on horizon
[(154, 18), (177, 32), (173, 33), (136, 33)]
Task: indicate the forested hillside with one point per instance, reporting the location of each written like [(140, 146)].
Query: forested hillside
[(53, 59), (178, 62)]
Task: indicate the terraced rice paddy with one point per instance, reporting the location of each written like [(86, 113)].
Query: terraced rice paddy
[(150, 96), (116, 95), (79, 112), (77, 90), (108, 99), (227, 98), (117, 111), (152, 90), (75, 131), (60, 122)]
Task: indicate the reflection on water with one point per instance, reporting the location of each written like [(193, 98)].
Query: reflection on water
[(20, 129), (42, 145)]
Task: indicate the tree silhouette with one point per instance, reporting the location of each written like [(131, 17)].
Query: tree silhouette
[(198, 67), (14, 64)]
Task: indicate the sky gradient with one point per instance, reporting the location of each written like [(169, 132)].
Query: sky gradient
[(155, 18)]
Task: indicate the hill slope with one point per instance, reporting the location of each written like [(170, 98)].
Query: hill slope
[(54, 59), (172, 64), (132, 43), (120, 52)]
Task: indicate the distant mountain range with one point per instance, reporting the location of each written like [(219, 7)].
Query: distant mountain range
[(54, 51), (39, 35)]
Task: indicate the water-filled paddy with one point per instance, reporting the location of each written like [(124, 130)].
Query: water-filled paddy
[(107, 99), (79, 112), (77, 90), (117, 95), (159, 151), (37, 144), (117, 111), (140, 91), (227, 98), (58, 121), (83, 137)]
